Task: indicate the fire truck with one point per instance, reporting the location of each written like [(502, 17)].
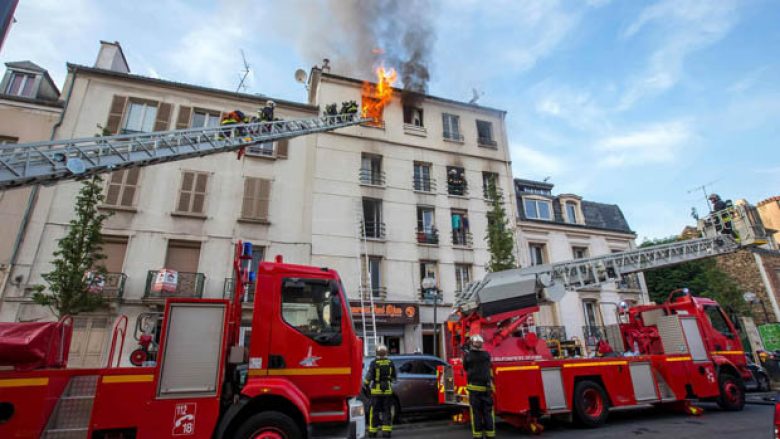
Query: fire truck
[(666, 354), (298, 378)]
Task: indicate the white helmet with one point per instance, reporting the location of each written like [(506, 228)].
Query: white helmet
[(477, 339), (270, 103), (381, 350)]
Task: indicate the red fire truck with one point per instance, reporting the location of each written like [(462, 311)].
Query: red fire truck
[(662, 354), (297, 379)]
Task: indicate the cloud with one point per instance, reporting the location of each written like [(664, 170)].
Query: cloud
[(747, 81), (536, 164), (684, 26), (654, 144), (578, 108)]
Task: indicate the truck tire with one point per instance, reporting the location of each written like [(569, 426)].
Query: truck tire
[(269, 425), (732, 392), (591, 406)]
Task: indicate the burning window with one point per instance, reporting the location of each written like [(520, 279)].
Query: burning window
[(413, 116), (377, 96), (485, 133)]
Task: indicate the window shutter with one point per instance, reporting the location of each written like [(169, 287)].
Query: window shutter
[(199, 195), (115, 114), (130, 184), (455, 128), (163, 117), (248, 206), (282, 148), (184, 195), (263, 189), (183, 120)]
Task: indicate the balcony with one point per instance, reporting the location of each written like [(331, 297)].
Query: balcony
[(462, 238), (453, 136), (371, 177), (629, 283), (487, 141), (457, 189), (372, 230), (422, 184), (249, 297), (427, 235), (378, 293), (110, 286), (551, 332), (187, 285)]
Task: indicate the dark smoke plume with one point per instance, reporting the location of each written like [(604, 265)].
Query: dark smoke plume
[(356, 35)]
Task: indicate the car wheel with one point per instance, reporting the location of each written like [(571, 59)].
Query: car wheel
[(732, 393), (395, 410)]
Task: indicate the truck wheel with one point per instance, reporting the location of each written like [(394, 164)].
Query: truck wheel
[(590, 404), (732, 393), (269, 425)]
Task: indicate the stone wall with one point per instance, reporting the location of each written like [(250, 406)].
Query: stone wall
[(742, 267)]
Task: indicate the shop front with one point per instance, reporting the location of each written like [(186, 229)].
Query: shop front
[(396, 325)]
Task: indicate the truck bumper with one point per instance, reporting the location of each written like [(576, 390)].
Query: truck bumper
[(354, 429)]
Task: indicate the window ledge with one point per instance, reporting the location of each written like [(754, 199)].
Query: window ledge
[(414, 130), (130, 209), (260, 156), (264, 222), (460, 197), (457, 141), (190, 215), (482, 145), (375, 186), (462, 247), (424, 192), (425, 244)]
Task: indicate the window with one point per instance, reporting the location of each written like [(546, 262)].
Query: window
[(373, 227), (265, 149), (192, 195), (428, 269), (122, 187), (426, 228), (462, 276), (204, 119), (460, 228), (579, 252), (257, 197), (422, 177), (534, 190), (371, 170), (488, 179), (538, 254), (591, 313), (418, 367), (313, 308), (485, 134), (451, 124), (413, 116), (114, 248), (717, 320), (537, 209), (571, 212), (456, 181), (140, 117), (372, 275), (183, 256), (7, 140), (21, 84)]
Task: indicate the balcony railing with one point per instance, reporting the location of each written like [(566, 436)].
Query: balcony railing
[(372, 177), (592, 334), (109, 285), (487, 141), (462, 238), (629, 282), (459, 189), (376, 293), (187, 285), (422, 184), (249, 297), (372, 230), (453, 135), (551, 332), (427, 235)]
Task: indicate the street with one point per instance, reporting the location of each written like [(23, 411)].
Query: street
[(754, 422)]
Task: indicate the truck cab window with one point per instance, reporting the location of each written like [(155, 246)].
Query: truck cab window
[(313, 307), (717, 320)]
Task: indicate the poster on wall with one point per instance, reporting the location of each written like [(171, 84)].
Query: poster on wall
[(770, 335)]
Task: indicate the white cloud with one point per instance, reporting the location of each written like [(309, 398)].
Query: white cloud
[(654, 144), (532, 163), (577, 107), (747, 81)]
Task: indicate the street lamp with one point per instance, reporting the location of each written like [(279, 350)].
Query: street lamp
[(431, 293), (752, 298)]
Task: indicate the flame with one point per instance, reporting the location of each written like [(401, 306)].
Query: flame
[(377, 96)]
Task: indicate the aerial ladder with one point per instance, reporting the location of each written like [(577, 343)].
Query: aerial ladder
[(57, 160)]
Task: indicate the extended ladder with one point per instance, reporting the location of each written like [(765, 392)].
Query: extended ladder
[(52, 161)]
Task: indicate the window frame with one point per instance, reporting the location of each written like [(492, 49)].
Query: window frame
[(448, 133), (128, 109), (192, 193), (423, 265), (409, 112), (542, 247), (459, 279), (336, 337), (209, 114), (585, 252), (29, 79), (423, 182), (536, 201), (489, 141)]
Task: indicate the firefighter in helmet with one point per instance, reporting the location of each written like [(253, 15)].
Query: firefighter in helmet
[(723, 215), (379, 380), (479, 374)]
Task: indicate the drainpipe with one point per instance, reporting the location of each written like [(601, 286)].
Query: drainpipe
[(34, 195)]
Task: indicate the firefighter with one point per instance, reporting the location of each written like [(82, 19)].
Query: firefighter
[(268, 112), (227, 120), (479, 374), (722, 216), (717, 203), (379, 380)]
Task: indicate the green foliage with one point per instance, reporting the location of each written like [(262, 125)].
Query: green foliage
[(77, 253), (501, 240), (702, 277)]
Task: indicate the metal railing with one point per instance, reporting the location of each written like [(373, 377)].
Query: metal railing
[(462, 238), (371, 177), (629, 282), (551, 332), (372, 230), (227, 291), (187, 285), (592, 334), (427, 235), (459, 189), (108, 285), (376, 293), (487, 141), (452, 135), (422, 184)]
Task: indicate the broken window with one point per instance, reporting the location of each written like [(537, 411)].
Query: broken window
[(485, 134), (413, 116)]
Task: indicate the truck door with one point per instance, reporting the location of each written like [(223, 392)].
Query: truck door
[(720, 336), (308, 344)]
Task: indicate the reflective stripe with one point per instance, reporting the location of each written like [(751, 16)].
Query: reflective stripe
[(513, 368), (596, 363), (476, 388), (728, 353), (678, 359), (302, 371), (112, 379), (24, 382)]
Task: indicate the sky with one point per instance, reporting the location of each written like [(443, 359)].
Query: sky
[(634, 103)]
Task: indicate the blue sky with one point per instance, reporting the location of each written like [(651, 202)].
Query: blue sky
[(625, 102)]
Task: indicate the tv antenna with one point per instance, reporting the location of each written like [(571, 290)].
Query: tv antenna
[(244, 73), (476, 94), (703, 189)]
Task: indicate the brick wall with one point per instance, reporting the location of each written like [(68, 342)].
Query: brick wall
[(741, 266)]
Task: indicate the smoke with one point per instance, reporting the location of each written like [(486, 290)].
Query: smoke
[(358, 35)]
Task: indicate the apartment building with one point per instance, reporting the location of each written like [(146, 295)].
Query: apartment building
[(555, 228), (29, 110), (404, 199), (184, 216), (769, 210)]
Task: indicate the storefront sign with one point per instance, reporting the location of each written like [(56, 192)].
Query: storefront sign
[(770, 335), (387, 313)]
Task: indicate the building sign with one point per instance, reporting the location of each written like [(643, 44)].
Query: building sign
[(387, 313), (770, 335)]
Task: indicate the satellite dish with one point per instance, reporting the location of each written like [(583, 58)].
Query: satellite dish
[(300, 76)]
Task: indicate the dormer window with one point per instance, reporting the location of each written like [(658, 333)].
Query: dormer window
[(537, 209), (571, 212), (21, 84)]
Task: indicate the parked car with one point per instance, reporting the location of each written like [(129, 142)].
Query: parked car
[(415, 389), (760, 381)]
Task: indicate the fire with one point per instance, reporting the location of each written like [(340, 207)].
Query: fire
[(376, 97)]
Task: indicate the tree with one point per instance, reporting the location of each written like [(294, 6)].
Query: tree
[(501, 240), (702, 277), (77, 254)]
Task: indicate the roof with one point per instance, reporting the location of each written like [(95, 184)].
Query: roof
[(118, 46), (537, 184), (31, 66), (75, 68), (768, 200), (36, 101), (426, 96)]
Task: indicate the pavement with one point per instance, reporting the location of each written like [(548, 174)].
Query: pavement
[(754, 422)]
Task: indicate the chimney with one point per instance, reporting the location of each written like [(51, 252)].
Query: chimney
[(111, 57)]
